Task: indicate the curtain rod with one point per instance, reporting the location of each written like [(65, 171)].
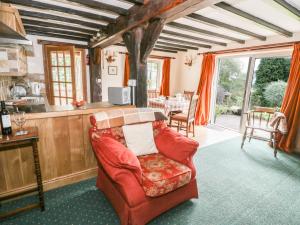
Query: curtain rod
[(152, 56), (253, 48)]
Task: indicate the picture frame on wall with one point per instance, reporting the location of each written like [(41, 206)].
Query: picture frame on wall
[(112, 70)]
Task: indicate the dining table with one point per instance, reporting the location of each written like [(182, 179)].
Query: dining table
[(170, 105)]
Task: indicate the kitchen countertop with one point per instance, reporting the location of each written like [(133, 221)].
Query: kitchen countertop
[(69, 110)]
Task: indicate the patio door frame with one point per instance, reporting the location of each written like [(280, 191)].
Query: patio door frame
[(247, 92), (246, 95), (249, 79)]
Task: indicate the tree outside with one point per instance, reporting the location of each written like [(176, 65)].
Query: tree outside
[(231, 85), (270, 70)]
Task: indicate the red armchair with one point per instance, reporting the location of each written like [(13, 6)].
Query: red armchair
[(141, 188)]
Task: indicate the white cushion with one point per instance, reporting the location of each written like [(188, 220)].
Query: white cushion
[(139, 138)]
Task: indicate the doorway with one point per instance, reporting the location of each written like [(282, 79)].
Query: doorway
[(244, 83), (65, 74), (230, 90)]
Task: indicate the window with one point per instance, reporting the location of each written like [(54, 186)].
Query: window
[(65, 74), (153, 74)]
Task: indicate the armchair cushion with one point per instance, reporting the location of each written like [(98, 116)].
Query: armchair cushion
[(115, 157), (162, 175), (175, 146)]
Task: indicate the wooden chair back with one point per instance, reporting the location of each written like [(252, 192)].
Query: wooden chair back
[(257, 116), (192, 107), (153, 94), (188, 94)]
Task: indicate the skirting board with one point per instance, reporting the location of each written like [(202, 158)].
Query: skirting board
[(57, 182)]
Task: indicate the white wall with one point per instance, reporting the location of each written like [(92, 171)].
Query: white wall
[(189, 75), (112, 80), (117, 81)]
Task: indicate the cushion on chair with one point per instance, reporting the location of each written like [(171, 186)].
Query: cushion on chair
[(180, 117), (115, 157), (161, 175), (175, 146), (139, 138)]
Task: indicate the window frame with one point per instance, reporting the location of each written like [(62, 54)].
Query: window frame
[(159, 72), (47, 49)]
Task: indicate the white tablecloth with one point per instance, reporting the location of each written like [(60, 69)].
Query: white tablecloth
[(170, 104)]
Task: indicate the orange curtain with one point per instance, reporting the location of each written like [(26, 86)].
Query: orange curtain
[(126, 71), (291, 103), (204, 89), (165, 82)]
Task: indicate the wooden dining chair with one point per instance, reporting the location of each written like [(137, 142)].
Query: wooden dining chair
[(187, 119), (256, 121), (153, 94), (188, 94)]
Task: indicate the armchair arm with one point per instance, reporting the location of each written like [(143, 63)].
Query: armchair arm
[(176, 146), (115, 158)]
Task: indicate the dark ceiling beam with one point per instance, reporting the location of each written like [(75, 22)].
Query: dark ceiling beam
[(39, 33), (102, 6), (202, 31), (57, 31), (154, 49), (164, 50), (199, 18), (277, 29), (56, 25), (60, 18), (139, 15), (139, 2), (289, 7), (170, 48), (176, 45), (186, 36), (185, 42), (41, 5)]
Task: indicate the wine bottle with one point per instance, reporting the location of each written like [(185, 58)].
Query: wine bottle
[(5, 120)]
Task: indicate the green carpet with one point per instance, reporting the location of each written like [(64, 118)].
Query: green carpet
[(237, 187)]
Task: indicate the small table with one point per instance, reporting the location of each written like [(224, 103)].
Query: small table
[(170, 105), (13, 142)]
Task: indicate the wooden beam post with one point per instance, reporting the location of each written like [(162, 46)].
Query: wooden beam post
[(140, 42), (95, 74)]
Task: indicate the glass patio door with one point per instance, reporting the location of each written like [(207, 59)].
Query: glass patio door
[(230, 92)]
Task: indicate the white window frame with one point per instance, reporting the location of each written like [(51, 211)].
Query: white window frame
[(159, 71)]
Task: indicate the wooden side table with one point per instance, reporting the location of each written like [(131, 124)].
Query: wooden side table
[(13, 142)]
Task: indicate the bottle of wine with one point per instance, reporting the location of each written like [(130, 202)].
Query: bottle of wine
[(5, 120)]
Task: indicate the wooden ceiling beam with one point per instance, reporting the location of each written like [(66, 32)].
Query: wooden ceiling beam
[(186, 36), (39, 33), (60, 18), (205, 32), (236, 11), (56, 25), (139, 2), (57, 31), (170, 48), (59, 43), (185, 42), (176, 45), (163, 50), (200, 18), (102, 6), (41, 5), (164, 9), (289, 7)]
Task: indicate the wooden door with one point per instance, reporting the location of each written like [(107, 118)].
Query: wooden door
[(60, 74)]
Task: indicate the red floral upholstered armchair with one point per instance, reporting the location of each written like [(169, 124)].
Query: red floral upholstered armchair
[(141, 188)]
